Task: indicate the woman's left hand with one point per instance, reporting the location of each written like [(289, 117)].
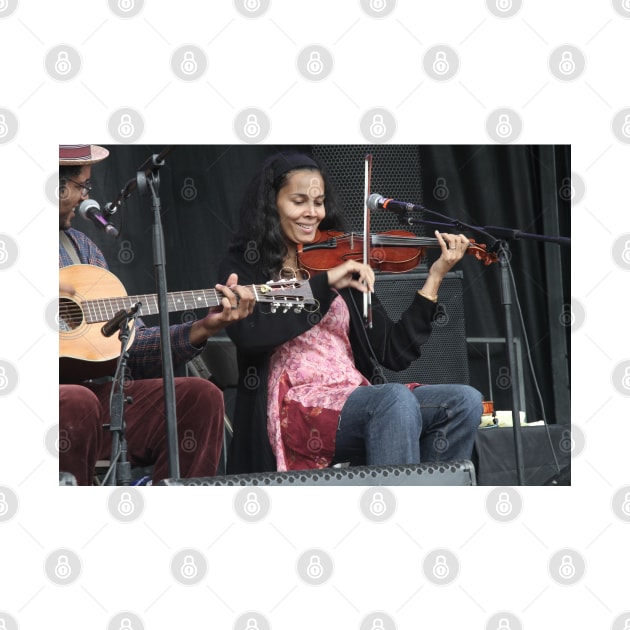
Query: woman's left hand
[(454, 247)]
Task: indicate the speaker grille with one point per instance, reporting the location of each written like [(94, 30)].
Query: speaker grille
[(395, 173), (456, 473), (444, 357)]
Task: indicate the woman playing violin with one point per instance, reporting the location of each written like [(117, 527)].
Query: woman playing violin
[(311, 391)]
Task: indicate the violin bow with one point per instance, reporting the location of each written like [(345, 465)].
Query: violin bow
[(367, 297)]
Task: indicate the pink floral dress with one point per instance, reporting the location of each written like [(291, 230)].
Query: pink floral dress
[(311, 377)]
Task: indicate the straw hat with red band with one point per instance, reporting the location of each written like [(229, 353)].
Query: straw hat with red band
[(80, 154)]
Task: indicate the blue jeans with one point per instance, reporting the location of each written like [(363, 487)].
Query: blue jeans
[(390, 424)]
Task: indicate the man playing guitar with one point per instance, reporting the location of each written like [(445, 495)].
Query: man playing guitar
[(84, 405)]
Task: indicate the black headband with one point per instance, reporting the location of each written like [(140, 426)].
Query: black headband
[(291, 162)]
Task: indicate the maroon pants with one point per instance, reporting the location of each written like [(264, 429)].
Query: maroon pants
[(83, 410)]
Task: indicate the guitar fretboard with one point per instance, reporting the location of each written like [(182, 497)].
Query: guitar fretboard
[(103, 309)]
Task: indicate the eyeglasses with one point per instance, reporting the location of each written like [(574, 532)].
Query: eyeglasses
[(85, 187)]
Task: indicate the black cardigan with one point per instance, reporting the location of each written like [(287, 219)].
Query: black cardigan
[(395, 346)]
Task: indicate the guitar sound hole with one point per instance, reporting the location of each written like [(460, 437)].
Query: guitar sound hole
[(70, 315)]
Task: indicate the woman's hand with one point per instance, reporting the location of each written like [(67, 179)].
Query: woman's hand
[(352, 274), (454, 247)]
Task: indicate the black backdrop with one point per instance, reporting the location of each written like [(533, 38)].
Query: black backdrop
[(520, 186)]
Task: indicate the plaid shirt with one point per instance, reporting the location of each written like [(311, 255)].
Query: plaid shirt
[(145, 359)]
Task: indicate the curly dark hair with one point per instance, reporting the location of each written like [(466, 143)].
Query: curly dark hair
[(260, 218), (69, 172)]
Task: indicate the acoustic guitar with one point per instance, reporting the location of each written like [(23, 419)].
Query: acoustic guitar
[(84, 351)]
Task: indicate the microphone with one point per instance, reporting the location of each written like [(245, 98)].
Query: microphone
[(91, 211), (111, 326), (377, 202)]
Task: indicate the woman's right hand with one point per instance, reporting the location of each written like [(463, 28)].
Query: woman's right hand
[(352, 274)]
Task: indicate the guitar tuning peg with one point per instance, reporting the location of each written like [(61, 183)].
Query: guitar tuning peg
[(274, 307)]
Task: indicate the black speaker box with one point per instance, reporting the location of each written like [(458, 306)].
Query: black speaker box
[(457, 473), (445, 355), (495, 460)]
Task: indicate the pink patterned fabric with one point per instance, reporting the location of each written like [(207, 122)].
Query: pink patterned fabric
[(311, 377)]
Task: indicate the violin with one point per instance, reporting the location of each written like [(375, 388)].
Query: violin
[(395, 251)]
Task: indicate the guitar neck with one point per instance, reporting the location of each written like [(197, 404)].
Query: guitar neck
[(103, 309)]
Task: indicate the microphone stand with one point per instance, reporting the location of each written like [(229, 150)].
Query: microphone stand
[(119, 472), (500, 245), (147, 178)]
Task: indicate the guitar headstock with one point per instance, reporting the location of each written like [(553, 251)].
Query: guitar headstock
[(286, 294)]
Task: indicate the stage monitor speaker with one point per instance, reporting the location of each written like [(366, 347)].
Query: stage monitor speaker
[(456, 473), (444, 357), (396, 173), (495, 462)]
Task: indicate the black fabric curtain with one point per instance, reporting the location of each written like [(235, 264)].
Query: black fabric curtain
[(521, 187)]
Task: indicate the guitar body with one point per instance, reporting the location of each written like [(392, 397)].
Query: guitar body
[(84, 352)]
